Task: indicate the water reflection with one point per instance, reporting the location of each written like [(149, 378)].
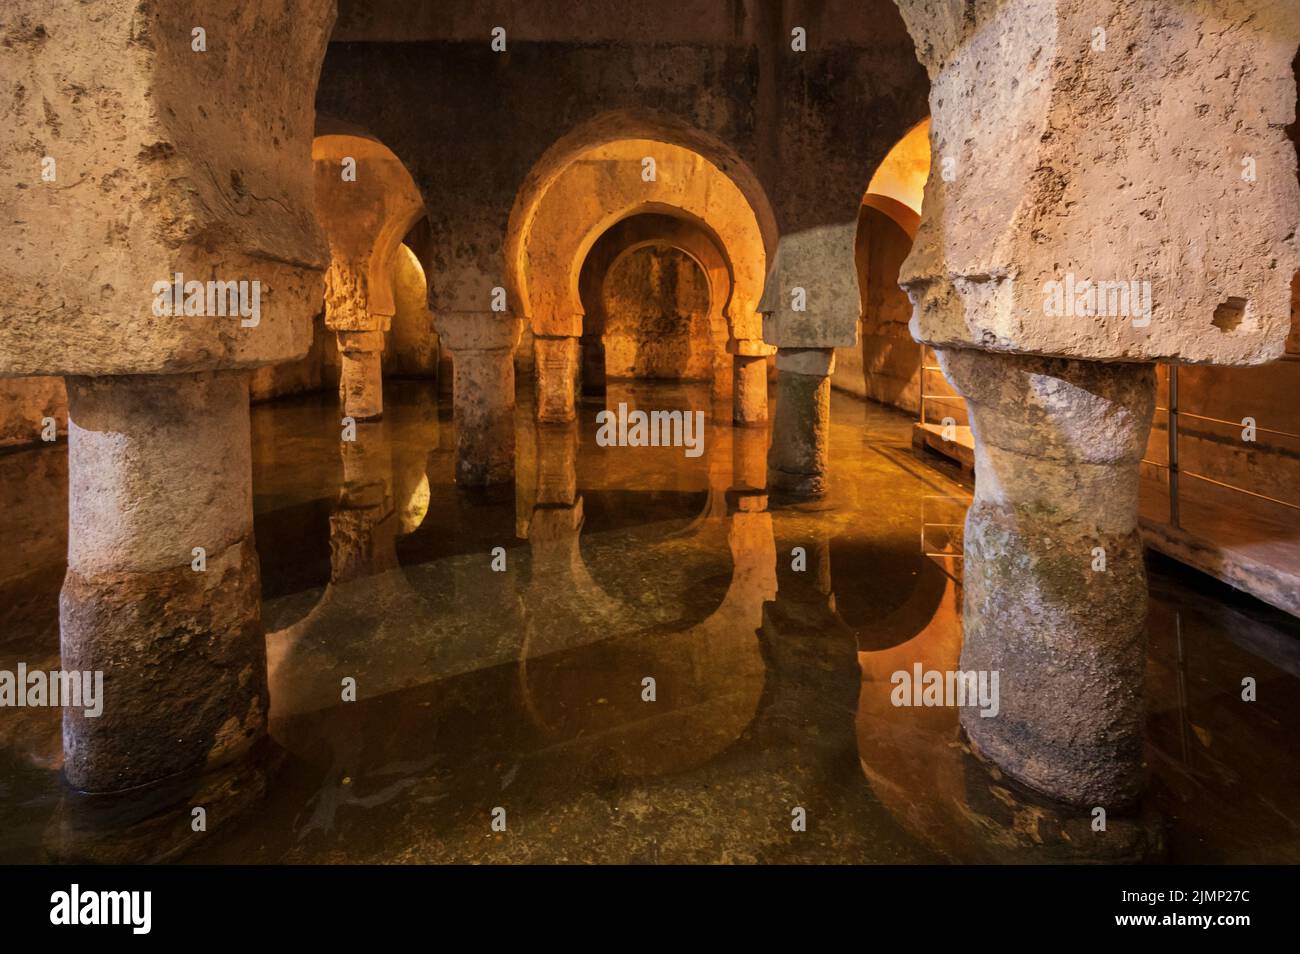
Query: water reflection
[(667, 666)]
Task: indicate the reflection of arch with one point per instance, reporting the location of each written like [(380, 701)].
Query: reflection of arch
[(710, 677)]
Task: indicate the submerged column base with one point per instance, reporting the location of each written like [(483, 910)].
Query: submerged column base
[(797, 459), (1054, 580), (162, 593)]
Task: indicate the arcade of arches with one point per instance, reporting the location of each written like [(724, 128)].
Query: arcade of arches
[(641, 424)]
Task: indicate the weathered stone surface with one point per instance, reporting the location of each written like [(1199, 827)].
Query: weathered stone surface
[(749, 405), (807, 301), (797, 459), (1058, 160), (361, 384), (1058, 444), (184, 663), (157, 467), (166, 160), (657, 315), (366, 202), (477, 330), (482, 345), (555, 379)]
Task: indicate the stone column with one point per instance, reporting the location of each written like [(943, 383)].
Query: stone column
[(483, 394), (1055, 587), (796, 461), (555, 378), (159, 466), (749, 405), (361, 383)]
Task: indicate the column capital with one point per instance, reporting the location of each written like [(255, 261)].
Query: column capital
[(819, 362), (478, 330)]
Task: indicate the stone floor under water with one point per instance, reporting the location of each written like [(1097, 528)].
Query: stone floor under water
[(522, 689)]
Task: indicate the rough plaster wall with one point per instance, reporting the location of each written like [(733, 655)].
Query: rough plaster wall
[(811, 125), (656, 303), (848, 373), (25, 403)]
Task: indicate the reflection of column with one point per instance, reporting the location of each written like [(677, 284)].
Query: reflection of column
[(555, 377), (483, 389), (484, 396), (749, 459), (361, 384), (159, 466), (797, 460), (364, 524), (1057, 448), (557, 511)]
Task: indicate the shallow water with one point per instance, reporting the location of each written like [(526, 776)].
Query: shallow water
[(524, 689)]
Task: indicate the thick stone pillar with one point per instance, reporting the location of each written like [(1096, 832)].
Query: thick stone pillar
[(796, 461), (1055, 587), (483, 394), (361, 382), (555, 378), (160, 466), (749, 405)]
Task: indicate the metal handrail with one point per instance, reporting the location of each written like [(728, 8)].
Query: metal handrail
[(1262, 430), (1241, 490)]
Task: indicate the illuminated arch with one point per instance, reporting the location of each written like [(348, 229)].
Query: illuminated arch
[(592, 178), (364, 220)]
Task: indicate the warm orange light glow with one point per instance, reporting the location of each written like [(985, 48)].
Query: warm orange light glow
[(903, 173)]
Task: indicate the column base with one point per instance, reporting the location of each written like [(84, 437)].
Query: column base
[(184, 661), (1054, 581)]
